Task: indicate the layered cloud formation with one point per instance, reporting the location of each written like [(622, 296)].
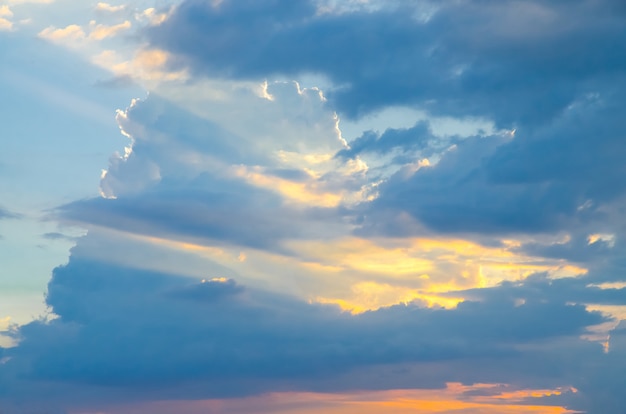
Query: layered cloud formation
[(244, 246)]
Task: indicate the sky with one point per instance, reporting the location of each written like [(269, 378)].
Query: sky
[(312, 206)]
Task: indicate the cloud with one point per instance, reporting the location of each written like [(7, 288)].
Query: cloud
[(5, 24), (440, 61), (248, 184), (144, 331), (145, 66), (238, 222), (77, 36), (108, 8), (7, 214), (539, 287), (562, 177), (73, 33), (5, 11), (415, 138), (100, 31)]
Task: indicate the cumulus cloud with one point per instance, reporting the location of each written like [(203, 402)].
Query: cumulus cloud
[(249, 184), (231, 174)]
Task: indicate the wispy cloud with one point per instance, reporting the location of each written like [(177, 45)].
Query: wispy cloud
[(7, 214)]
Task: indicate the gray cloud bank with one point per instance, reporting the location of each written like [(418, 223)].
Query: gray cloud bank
[(129, 333), (514, 62)]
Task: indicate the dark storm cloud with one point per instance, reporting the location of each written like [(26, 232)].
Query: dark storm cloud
[(514, 62)]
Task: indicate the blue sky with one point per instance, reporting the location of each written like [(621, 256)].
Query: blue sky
[(298, 206)]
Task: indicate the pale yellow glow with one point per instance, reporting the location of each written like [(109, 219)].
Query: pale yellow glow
[(392, 271), (523, 395), (152, 58), (318, 267), (77, 34), (410, 169), (72, 32), (215, 280), (4, 323), (608, 285), (5, 11), (210, 251), (609, 239), (153, 17), (5, 341), (307, 193), (364, 255), (316, 165), (483, 266), (361, 274), (601, 333), (5, 25), (296, 159), (105, 7), (263, 91), (370, 295), (345, 305), (147, 65), (77, 37), (100, 31)]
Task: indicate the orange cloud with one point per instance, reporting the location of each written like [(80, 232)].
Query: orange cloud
[(453, 399)]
